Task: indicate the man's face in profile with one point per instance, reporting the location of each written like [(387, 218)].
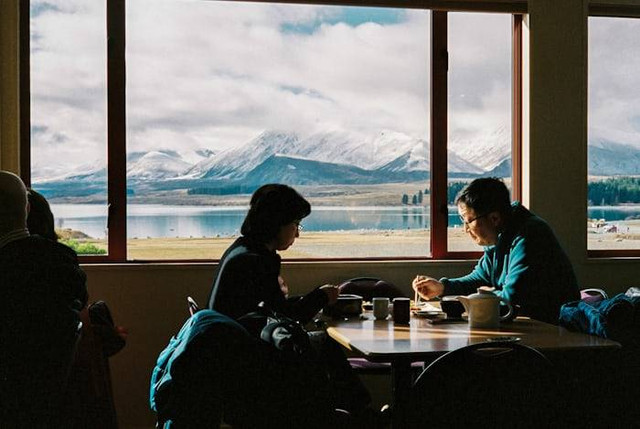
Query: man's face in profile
[(481, 227)]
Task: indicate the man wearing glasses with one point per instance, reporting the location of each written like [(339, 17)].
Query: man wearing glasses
[(522, 258)]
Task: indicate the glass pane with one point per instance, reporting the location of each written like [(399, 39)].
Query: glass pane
[(479, 99), (223, 97), (68, 117), (614, 134)]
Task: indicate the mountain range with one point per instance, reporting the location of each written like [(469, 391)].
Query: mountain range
[(328, 158)]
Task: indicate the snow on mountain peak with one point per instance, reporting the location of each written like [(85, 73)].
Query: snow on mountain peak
[(156, 165)]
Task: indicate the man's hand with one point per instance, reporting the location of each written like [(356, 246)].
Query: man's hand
[(332, 293), (427, 287)]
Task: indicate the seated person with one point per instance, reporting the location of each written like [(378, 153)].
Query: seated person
[(249, 273), (42, 290), (522, 258), (89, 378), (40, 219)]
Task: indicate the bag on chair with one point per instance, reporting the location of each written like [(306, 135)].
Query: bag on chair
[(284, 333)]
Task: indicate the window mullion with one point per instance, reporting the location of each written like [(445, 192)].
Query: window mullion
[(116, 131), (438, 140), (516, 110)]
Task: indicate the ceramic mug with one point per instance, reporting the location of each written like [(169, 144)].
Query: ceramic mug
[(401, 307), (452, 306), (380, 308)]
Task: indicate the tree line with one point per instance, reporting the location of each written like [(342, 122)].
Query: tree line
[(608, 192), (453, 188), (614, 191)]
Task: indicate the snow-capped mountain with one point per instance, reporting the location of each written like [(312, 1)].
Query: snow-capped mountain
[(237, 162), (609, 158), (330, 147), (157, 165), (485, 151), (334, 157)]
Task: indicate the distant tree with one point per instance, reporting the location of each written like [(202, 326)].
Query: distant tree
[(420, 196), (414, 200), (405, 199), (453, 189)]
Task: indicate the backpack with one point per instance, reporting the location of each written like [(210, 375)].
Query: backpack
[(282, 332)]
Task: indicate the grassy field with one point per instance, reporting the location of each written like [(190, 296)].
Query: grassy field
[(392, 244)]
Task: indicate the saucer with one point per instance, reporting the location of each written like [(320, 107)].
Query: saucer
[(427, 314)]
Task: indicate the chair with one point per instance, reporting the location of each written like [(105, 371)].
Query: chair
[(90, 396), (369, 287), (486, 385), (192, 305)]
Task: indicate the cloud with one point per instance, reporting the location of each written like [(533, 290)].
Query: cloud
[(216, 74), (614, 83)]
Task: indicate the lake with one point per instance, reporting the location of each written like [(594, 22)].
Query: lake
[(162, 221)]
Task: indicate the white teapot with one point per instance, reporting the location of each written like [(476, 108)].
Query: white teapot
[(483, 308)]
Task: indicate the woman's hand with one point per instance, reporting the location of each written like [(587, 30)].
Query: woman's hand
[(332, 293), (427, 287), (283, 286)]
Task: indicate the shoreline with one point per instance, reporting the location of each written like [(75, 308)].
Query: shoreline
[(339, 245)]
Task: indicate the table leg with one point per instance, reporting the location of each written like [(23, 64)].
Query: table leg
[(401, 381)]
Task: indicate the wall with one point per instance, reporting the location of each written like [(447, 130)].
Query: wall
[(9, 83), (150, 299)]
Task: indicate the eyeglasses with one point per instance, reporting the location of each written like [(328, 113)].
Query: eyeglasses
[(299, 226), (467, 223)]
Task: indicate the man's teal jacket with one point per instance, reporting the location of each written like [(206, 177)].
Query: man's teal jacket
[(527, 266)]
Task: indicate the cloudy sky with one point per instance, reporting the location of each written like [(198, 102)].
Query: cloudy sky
[(209, 74)]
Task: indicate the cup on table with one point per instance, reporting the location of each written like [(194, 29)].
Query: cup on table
[(401, 307), (380, 308), (452, 307)]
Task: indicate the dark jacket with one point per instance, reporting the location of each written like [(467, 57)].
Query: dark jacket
[(247, 275), (214, 368), (527, 266), (42, 289)]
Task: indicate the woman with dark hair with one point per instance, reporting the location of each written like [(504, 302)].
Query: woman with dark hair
[(249, 271), (40, 219)]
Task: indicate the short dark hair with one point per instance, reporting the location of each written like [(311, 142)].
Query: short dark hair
[(273, 206), (40, 219), (486, 195)]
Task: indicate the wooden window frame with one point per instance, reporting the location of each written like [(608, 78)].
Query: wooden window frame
[(612, 11), (116, 119)]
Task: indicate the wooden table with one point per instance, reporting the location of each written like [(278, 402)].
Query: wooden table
[(384, 341)]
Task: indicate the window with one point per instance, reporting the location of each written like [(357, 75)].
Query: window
[(68, 118), (221, 97), (613, 136), (480, 115)]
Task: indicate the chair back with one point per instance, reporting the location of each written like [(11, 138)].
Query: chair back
[(89, 393), (487, 385), (369, 287)]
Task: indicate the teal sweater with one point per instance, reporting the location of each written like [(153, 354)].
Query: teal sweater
[(527, 266)]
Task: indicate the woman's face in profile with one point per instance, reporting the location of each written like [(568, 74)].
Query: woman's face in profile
[(287, 235)]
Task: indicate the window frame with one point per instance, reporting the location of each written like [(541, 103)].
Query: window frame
[(611, 11), (116, 119)]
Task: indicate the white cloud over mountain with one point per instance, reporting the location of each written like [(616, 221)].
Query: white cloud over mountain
[(346, 84)]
